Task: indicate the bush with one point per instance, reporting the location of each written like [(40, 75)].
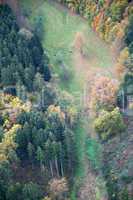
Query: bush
[(109, 124), (66, 74)]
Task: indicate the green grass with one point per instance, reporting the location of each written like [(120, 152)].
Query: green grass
[(60, 30), (80, 134), (94, 152)]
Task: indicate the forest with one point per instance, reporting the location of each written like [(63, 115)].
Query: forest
[(66, 106)]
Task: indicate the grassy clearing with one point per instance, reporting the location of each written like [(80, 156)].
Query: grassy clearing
[(60, 30)]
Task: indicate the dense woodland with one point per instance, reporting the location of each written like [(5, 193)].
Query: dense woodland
[(22, 55), (37, 128), (38, 137)]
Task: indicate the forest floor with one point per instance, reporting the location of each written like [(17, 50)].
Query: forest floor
[(69, 40)]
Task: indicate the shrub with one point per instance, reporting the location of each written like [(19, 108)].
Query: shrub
[(65, 74), (109, 124)]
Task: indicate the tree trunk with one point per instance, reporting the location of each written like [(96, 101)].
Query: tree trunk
[(123, 100), (57, 168), (62, 171), (51, 168)]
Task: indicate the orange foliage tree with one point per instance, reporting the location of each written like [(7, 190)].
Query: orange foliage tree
[(103, 93), (123, 58), (58, 189)]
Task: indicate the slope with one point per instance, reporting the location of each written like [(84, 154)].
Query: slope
[(73, 47)]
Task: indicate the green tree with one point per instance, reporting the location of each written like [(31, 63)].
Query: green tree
[(40, 156), (5, 177), (14, 192), (31, 191), (31, 151), (109, 124), (129, 32), (38, 82)]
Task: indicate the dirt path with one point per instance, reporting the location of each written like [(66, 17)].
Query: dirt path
[(89, 70)]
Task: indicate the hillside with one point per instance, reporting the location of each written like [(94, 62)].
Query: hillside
[(66, 100)]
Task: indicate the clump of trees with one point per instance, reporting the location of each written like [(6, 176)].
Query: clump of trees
[(42, 139), (108, 120), (106, 17), (21, 53), (103, 103), (37, 127)]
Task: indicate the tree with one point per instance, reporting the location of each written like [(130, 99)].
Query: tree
[(38, 82), (31, 191), (5, 177), (56, 122), (31, 151), (58, 189), (103, 93), (12, 157), (129, 64), (71, 153), (40, 156), (117, 9), (109, 124), (47, 98), (39, 27), (46, 198), (47, 73), (8, 143), (28, 80), (1, 133), (49, 156), (14, 192), (122, 62), (7, 76), (129, 32), (56, 150)]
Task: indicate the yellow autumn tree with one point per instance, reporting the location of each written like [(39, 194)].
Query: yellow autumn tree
[(52, 109), (8, 142), (120, 66)]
